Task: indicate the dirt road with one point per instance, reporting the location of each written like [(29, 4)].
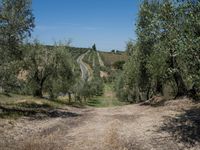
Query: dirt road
[(83, 66), (100, 60), (131, 127)]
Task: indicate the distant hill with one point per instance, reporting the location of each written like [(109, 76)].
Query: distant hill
[(75, 51), (109, 58)]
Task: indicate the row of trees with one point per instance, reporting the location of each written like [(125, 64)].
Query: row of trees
[(166, 52)]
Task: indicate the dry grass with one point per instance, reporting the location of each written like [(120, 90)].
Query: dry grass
[(115, 140), (17, 106), (22, 99), (48, 143), (112, 138)]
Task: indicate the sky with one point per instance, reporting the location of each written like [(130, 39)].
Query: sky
[(107, 23)]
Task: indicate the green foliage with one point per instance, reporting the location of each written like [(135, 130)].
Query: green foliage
[(49, 70), (119, 64), (121, 92), (147, 33), (126, 83), (107, 100), (166, 51), (88, 89), (16, 24)]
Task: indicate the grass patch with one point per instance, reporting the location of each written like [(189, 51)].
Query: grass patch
[(94, 102), (104, 102), (30, 102), (15, 106), (11, 115), (107, 100)]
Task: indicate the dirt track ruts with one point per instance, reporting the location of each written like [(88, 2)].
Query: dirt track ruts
[(127, 127)]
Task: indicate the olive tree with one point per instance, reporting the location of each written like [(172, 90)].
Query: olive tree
[(49, 69), (16, 24)]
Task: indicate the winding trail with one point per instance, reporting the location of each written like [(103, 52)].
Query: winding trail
[(85, 71), (100, 60)]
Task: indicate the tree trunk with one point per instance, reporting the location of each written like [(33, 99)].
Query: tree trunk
[(182, 90), (70, 97), (85, 99), (39, 86), (52, 96), (159, 87), (38, 92), (75, 97), (148, 93)]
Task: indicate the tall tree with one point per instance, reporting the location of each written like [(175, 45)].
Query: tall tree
[(16, 24), (170, 37), (189, 19), (146, 40)]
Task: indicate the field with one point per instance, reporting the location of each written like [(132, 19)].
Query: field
[(109, 58)]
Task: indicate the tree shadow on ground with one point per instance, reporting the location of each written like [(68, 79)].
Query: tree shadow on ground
[(35, 111), (155, 101), (185, 127)]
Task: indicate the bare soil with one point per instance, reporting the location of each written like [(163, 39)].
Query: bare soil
[(173, 126)]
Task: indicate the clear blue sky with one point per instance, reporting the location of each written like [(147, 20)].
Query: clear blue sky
[(108, 23)]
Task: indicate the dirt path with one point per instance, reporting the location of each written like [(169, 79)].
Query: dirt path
[(131, 127), (127, 127), (100, 60), (85, 70)]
